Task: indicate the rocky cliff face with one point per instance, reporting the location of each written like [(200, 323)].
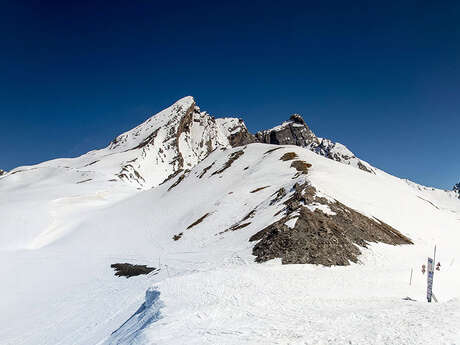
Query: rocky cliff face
[(292, 132), (296, 132), (174, 140)]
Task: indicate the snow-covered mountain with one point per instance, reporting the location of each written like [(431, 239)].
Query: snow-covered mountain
[(219, 216)]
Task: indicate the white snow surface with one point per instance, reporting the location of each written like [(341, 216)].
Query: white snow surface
[(59, 237)]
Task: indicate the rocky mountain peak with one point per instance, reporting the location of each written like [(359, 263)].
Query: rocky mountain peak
[(292, 132), (175, 140), (295, 131)]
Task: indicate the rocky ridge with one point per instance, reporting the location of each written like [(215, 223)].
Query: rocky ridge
[(296, 132)]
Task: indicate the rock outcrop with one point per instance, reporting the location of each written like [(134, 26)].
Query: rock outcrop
[(2, 172), (315, 230), (292, 132), (296, 132), (457, 189)]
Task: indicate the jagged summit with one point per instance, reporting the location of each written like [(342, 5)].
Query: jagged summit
[(296, 132)]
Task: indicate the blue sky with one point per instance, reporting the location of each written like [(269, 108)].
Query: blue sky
[(383, 79)]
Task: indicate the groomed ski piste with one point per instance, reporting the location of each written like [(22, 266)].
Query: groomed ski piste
[(59, 236)]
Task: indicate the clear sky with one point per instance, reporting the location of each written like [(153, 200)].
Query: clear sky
[(383, 79)]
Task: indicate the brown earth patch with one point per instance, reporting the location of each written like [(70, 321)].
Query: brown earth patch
[(301, 167), (258, 189), (233, 157), (198, 221), (288, 156)]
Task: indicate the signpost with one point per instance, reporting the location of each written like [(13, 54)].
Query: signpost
[(430, 274)]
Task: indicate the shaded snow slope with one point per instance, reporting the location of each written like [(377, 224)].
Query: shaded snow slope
[(210, 289)]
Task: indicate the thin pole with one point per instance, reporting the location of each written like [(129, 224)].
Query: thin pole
[(410, 281)]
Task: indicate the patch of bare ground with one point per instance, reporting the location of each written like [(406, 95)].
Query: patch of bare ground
[(205, 170), (240, 224), (279, 194), (128, 270), (233, 157), (331, 238), (171, 176), (198, 221), (90, 179), (272, 150), (177, 237), (87, 165), (258, 189), (179, 180), (301, 167), (288, 156)]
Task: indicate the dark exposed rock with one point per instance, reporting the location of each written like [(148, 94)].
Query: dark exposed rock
[(178, 236), (240, 135), (198, 221), (179, 180), (233, 157), (293, 132), (205, 170), (318, 237), (2, 172), (83, 181), (258, 189), (457, 187), (296, 132), (272, 150), (280, 194), (128, 270)]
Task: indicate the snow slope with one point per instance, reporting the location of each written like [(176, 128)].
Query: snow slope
[(59, 236)]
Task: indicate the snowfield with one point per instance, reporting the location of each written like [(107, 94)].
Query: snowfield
[(59, 236)]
